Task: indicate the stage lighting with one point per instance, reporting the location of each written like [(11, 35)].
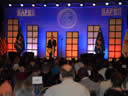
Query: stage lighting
[(45, 5), (69, 4), (81, 4), (57, 5), (120, 3), (33, 5), (21, 5), (94, 4), (106, 3), (10, 5)]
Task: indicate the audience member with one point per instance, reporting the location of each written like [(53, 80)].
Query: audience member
[(116, 89), (89, 84), (90, 74), (68, 87), (5, 85), (104, 85), (24, 88)]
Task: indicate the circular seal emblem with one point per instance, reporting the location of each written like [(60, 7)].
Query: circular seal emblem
[(67, 18)]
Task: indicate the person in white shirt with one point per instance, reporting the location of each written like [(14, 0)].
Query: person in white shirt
[(68, 87), (104, 85), (78, 65)]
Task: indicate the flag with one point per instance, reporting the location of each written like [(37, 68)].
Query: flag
[(99, 47), (19, 44), (3, 46), (125, 42), (125, 45), (3, 42)]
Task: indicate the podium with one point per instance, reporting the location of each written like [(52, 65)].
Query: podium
[(92, 58)]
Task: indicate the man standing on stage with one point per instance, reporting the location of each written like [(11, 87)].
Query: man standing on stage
[(51, 47)]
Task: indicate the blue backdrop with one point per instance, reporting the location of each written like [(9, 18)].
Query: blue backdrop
[(55, 19)]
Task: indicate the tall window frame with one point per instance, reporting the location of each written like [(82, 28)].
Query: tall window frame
[(72, 38), (115, 38), (92, 35), (12, 31), (32, 39), (48, 36)]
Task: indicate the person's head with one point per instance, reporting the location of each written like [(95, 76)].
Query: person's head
[(114, 60), (52, 36), (109, 72), (116, 79), (19, 84), (46, 68), (5, 75), (67, 71), (32, 63), (16, 60), (28, 83), (82, 72), (36, 70)]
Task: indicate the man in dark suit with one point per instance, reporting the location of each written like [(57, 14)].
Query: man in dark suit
[(52, 45), (87, 82)]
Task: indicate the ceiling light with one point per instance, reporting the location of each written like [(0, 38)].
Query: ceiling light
[(69, 4), (106, 3), (33, 5), (10, 5), (57, 5), (94, 4), (120, 3), (81, 4), (45, 5), (21, 5)]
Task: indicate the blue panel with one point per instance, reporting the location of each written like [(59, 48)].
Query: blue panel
[(64, 19)]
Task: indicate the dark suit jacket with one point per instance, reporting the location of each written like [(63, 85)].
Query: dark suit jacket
[(90, 85), (50, 44)]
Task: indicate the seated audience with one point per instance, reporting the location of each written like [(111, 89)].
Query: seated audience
[(104, 85), (68, 87), (78, 65), (5, 85), (116, 89), (24, 88), (16, 74), (85, 81), (47, 76)]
